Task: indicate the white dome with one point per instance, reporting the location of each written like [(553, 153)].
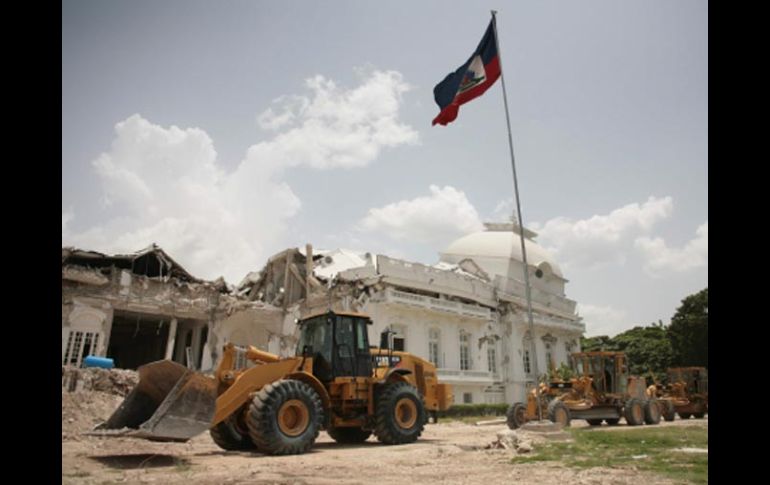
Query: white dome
[(494, 248)]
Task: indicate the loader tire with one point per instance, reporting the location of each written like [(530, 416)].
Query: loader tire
[(230, 435), (684, 415), (285, 417), (516, 415), (558, 412), (669, 412), (594, 422), (349, 435), (400, 414), (651, 412), (634, 412)]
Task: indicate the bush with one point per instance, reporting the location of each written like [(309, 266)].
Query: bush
[(459, 410)]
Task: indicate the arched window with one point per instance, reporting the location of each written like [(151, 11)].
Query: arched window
[(465, 350), (434, 346)]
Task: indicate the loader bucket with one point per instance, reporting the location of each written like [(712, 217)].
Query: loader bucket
[(170, 403)]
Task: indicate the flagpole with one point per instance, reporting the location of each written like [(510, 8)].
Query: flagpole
[(520, 222)]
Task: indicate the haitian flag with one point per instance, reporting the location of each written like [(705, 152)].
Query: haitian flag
[(470, 80)]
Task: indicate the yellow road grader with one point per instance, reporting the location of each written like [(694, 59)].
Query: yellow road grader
[(601, 391), (259, 401), (686, 394)]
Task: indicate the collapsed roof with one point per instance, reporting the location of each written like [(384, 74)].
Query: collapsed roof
[(151, 261)]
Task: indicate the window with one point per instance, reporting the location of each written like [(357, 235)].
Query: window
[(467, 398), (549, 357), (344, 337), (361, 337), (434, 336), (492, 359), (79, 345), (399, 338), (465, 350), (527, 368)]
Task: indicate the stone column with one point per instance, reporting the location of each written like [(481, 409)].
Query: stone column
[(171, 340)]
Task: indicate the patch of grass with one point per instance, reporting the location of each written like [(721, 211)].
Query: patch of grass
[(651, 449), (181, 465)]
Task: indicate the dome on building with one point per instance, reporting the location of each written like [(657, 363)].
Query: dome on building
[(494, 248)]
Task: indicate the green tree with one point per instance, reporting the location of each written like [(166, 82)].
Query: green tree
[(601, 342), (689, 331), (648, 350)]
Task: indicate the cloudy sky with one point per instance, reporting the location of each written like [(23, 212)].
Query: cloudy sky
[(228, 132)]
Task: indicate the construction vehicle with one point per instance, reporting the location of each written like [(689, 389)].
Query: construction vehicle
[(259, 401), (601, 390), (685, 394)]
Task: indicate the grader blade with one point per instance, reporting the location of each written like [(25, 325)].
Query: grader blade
[(170, 403)]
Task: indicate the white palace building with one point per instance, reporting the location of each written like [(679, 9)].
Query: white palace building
[(467, 314)]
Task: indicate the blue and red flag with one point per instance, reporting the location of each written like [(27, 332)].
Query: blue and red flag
[(470, 80)]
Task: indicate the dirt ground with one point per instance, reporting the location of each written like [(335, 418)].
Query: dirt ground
[(448, 453)]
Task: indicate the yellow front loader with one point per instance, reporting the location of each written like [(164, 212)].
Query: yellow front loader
[(256, 400)]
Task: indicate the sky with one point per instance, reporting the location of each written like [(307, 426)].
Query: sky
[(227, 132)]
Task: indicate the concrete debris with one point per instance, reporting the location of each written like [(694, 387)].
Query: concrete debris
[(110, 381), (490, 422), (507, 439), (524, 447)]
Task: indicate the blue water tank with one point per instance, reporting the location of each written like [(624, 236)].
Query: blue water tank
[(94, 361)]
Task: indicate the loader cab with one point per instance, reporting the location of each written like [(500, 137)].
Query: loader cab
[(338, 344)]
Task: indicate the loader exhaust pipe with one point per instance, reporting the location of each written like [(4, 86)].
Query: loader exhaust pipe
[(170, 403)]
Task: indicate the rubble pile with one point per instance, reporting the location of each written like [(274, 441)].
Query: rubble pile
[(510, 440), (89, 396), (111, 381)]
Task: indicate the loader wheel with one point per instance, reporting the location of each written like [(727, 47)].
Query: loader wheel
[(516, 415), (634, 412), (558, 412), (400, 414), (349, 435), (285, 417), (613, 421), (684, 415), (651, 412), (232, 435), (594, 422)]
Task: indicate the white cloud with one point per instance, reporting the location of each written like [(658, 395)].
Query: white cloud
[(601, 239), (66, 218), (337, 127), (165, 185), (661, 259), (433, 219), (602, 320), (504, 211)]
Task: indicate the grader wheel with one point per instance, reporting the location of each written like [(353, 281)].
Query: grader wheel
[(651, 412), (634, 412), (669, 412), (285, 417), (516, 415), (558, 412)]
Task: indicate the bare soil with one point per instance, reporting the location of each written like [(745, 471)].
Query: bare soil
[(449, 452)]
